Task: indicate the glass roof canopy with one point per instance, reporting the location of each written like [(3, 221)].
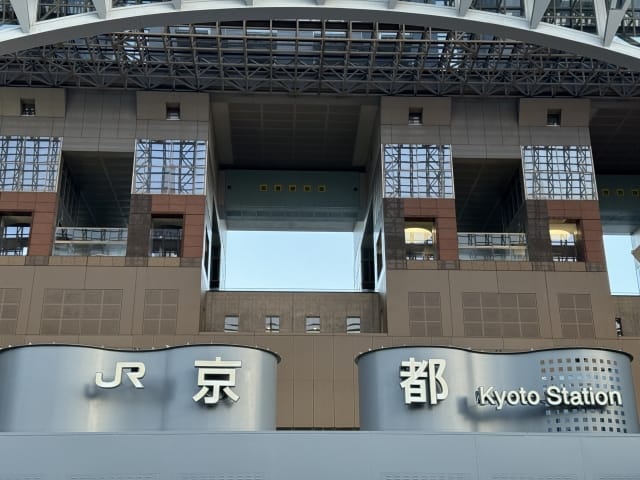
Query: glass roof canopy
[(316, 57)]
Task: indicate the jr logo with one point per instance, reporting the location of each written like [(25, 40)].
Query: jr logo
[(135, 373), (415, 376)]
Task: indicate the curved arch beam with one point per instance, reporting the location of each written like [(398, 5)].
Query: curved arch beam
[(177, 12)]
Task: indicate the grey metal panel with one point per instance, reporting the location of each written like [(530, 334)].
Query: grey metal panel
[(52, 388), (318, 456), (382, 405)]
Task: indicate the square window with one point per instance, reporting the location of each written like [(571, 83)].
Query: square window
[(312, 324), (292, 188), (27, 107), (231, 323), (272, 324), (415, 116), (264, 187), (353, 324), (554, 117), (172, 111), (307, 188), (277, 188)]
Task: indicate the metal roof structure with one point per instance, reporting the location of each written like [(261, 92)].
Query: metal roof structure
[(428, 47)]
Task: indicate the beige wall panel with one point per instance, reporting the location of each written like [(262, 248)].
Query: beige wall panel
[(13, 340), (283, 346), (123, 278), (558, 135), (186, 280), (169, 130), (323, 358), (303, 403), (467, 281), (595, 284), (343, 355), (50, 277), (284, 413), (395, 110), (108, 341), (21, 277), (526, 344), (100, 121), (401, 282), (303, 357), (152, 105), (344, 400), (574, 112), (33, 126), (50, 102), (323, 406), (529, 282)]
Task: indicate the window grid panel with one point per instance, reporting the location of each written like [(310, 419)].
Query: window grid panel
[(170, 166), (418, 171), (84, 312), (559, 172), (29, 164), (160, 311)]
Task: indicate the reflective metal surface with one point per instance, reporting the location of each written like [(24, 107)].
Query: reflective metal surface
[(56, 388), (468, 385)]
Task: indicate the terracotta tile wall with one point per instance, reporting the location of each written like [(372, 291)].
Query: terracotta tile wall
[(192, 208), (42, 207)]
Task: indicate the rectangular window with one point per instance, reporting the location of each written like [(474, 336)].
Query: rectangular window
[(417, 171), (563, 236), (272, 324), (27, 107), (353, 324), (170, 166), (419, 240), (14, 234), (231, 323), (29, 164), (173, 111), (558, 172), (312, 324), (166, 237)]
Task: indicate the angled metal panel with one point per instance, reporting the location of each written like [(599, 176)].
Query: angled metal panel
[(534, 10), (26, 12), (614, 19), (102, 7), (463, 6)]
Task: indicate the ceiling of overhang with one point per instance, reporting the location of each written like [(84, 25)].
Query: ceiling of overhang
[(316, 57)]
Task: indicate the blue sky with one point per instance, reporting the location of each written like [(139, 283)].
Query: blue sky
[(289, 261)]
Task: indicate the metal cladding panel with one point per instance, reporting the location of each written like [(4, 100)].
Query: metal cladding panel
[(53, 388), (383, 404)]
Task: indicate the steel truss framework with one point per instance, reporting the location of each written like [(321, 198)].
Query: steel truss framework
[(170, 166), (311, 57), (559, 172), (29, 164), (418, 171)]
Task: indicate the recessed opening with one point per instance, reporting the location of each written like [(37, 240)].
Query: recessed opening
[(296, 261), (312, 324), (554, 117), (14, 234), (415, 116), (419, 239), (172, 111), (622, 253), (231, 323), (166, 236), (27, 107), (272, 324), (353, 324), (564, 240)]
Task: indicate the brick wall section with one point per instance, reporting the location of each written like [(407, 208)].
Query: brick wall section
[(139, 226), (587, 213), (192, 208), (444, 213), (42, 207), (537, 229)]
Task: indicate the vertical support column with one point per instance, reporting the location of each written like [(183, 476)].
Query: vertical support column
[(394, 249), (139, 226), (537, 229)]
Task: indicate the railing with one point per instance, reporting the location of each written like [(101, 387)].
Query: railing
[(420, 250), (90, 241), (165, 242), (493, 246)]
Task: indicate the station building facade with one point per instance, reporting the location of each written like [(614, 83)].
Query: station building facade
[(478, 204)]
